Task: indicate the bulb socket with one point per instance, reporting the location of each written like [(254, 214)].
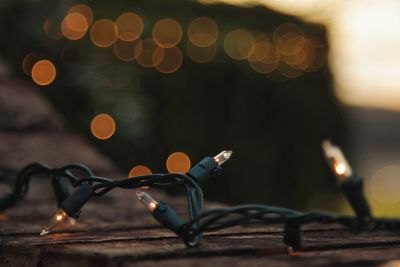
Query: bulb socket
[(165, 215), (352, 188), (61, 189), (73, 204), (206, 168)]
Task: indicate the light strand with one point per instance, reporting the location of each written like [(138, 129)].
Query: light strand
[(87, 185)]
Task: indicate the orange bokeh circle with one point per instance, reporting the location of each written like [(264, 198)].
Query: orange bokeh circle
[(139, 170), (203, 32), (167, 33), (145, 53), (178, 162), (103, 126), (171, 59), (130, 26), (104, 33), (43, 72)]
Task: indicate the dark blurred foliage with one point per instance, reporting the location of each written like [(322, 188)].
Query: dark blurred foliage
[(274, 125)]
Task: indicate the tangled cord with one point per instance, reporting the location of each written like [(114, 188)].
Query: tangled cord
[(20, 184), (75, 175), (87, 185), (222, 218), (194, 193), (350, 184)]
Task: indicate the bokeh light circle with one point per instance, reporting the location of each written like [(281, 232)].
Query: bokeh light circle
[(262, 46), (74, 26), (167, 33), (43, 72), (203, 32), (171, 59), (84, 10), (104, 33), (284, 29), (304, 60), (130, 26), (103, 126), (239, 44), (299, 56), (139, 170), (201, 54), (76, 22), (178, 162), (290, 44), (269, 63), (145, 53)]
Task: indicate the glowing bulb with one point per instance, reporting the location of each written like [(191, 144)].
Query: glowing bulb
[(57, 219), (222, 157), (337, 160), (147, 200), (340, 168)]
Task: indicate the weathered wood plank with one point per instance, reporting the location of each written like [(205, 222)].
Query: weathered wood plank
[(378, 256), (242, 250)]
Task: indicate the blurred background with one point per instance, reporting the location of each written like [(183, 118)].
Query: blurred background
[(157, 85)]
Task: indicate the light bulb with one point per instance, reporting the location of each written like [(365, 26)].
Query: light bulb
[(162, 213), (57, 219), (337, 160), (147, 200), (340, 168), (222, 157)]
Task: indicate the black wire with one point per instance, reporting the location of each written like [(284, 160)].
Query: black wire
[(199, 221), (102, 185), (194, 193), (222, 218), (67, 172), (78, 174)]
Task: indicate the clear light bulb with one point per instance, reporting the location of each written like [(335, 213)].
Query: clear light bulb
[(147, 200), (57, 219), (222, 157), (336, 160)]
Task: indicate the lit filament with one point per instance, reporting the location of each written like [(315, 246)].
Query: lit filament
[(222, 157), (147, 200), (57, 219), (337, 160), (340, 168)]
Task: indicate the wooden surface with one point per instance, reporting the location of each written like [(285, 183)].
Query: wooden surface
[(117, 231)]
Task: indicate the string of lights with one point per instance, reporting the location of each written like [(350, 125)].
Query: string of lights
[(221, 218), (87, 185)]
